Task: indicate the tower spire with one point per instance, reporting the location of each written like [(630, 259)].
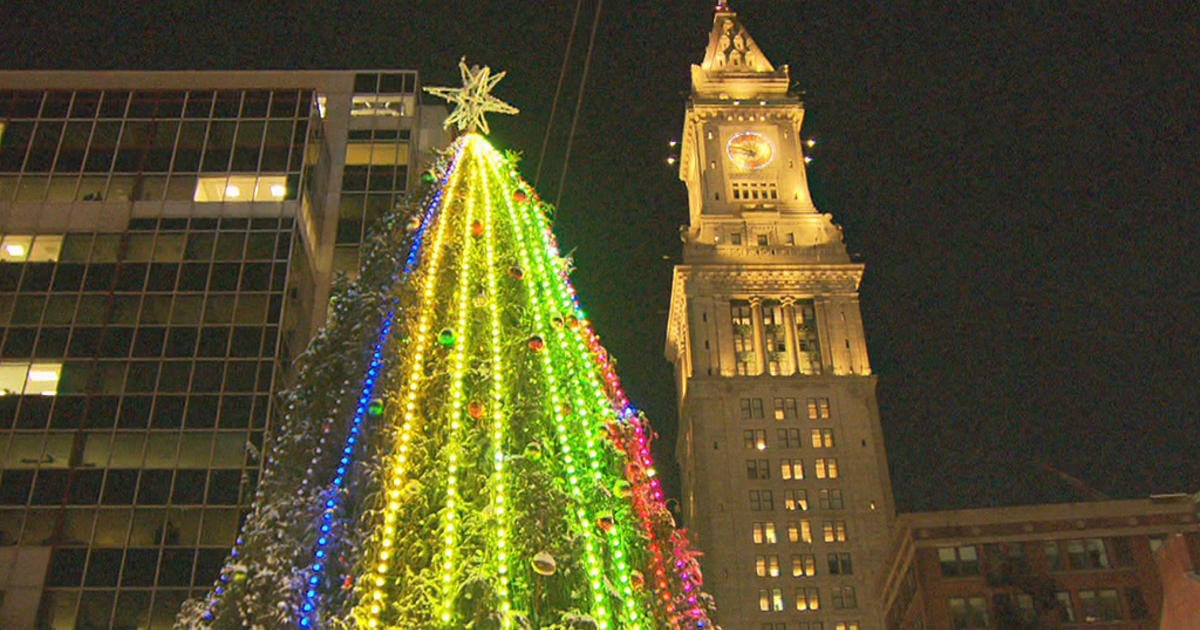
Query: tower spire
[(734, 65)]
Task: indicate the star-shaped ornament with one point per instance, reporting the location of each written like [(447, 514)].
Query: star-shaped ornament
[(473, 99)]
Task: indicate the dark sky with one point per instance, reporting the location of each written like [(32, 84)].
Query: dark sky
[(1020, 178)]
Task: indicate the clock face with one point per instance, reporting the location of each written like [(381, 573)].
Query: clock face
[(750, 150)]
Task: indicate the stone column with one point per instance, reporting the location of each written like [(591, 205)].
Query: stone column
[(789, 324), (760, 358)]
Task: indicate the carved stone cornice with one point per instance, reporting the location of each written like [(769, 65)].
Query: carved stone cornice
[(752, 280)]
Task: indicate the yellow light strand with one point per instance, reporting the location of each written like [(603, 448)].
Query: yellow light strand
[(377, 569), (449, 526), (593, 563), (499, 504)]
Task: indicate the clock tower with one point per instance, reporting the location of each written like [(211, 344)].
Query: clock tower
[(784, 473)]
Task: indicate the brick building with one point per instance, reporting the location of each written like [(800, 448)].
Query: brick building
[(1037, 566)]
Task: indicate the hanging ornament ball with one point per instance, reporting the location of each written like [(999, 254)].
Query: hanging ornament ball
[(427, 177), (375, 407), (239, 573), (622, 488), (605, 522), (557, 321), (475, 409), (533, 451), (516, 272), (446, 337), (572, 321), (519, 196), (638, 579), (476, 229), (536, 344), (347, 583), (413, 224), (543, 564)]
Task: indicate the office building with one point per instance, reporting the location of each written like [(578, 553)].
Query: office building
[(167, 243)]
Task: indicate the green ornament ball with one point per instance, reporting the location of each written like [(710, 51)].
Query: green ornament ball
[(427, 177), (375, 407), (446, 337), (533, 451)]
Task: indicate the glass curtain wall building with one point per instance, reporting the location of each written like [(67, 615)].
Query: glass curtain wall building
[(167, 240)]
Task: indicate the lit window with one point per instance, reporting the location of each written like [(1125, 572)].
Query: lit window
[(766, 566), (15, 248), (755, 439), (29, 378), (380, 153), (785, 408), (795, 500), (827, 468), (800, 531), (818, 408), (834, 531), (238, 188), (808, 598), (776, 600), (390, 106), (804, 565), (846, 625), (764, 533), (791, 469), (822, 438)]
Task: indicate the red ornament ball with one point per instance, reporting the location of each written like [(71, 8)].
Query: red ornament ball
[(519, 196), (516, 272), (476, 229), (475, 409), (536, 344)]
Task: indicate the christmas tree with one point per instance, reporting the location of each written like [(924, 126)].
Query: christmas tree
[(457, 451)]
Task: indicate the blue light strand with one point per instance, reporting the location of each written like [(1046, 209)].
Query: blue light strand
[(319, 553), (334, 492)]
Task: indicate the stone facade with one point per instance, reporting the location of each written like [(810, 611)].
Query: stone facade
[(783, 467)]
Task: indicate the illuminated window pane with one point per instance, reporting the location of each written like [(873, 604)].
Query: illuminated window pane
[(15, 248)]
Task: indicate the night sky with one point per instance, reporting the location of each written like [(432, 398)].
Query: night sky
[(1021, 181)]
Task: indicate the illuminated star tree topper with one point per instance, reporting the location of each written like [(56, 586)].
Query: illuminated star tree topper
[(473, 99)]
